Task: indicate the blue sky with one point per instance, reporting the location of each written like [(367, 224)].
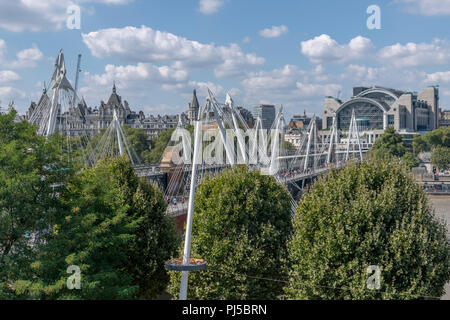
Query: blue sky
[(287, 52)]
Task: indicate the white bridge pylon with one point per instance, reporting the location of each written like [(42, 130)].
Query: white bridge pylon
[(114, 143), (46, 113)]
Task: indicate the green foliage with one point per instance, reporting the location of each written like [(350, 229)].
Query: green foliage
[(137, 139), (410, 161), (389, 144), (288, 146), (440, 158), (115, 229), (241, 225), (367, 214), (158, 145), (439, 137), (29, 167)]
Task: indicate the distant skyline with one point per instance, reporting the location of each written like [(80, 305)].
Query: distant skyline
[(290, 53)]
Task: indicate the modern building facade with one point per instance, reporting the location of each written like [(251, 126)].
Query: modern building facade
[(266, 113), (377, 108)]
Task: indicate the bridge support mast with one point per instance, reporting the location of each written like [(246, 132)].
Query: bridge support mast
[(333, 137), (117, 127), (190, 216)]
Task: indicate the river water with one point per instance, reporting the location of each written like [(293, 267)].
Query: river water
[(442, 206)]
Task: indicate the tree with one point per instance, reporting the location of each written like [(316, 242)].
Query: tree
[(115, 230), (31, 169), (419, 145), (390, 144), (369, 214), (241, 225), (158, 145), (288, 146), (410, 161), (137, 140), (435, 138), (440, 158)]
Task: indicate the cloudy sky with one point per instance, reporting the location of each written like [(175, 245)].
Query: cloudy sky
[(286, 52)]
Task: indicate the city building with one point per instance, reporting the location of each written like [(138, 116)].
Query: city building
[(377, 108), (194, 108), (81, 119), (247, 116), (294, 138), (444, 118), (266, 113), (301, 123)]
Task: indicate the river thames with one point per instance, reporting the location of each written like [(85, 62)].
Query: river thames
[(442, 206)]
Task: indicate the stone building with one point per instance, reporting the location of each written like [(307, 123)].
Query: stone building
[(81, 120)]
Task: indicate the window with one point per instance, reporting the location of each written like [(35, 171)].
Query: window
[(391, 120)]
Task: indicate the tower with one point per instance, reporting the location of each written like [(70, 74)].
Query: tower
[(193, 108)]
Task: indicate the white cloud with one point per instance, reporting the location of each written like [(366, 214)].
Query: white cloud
[(289, 86), (210, 6), (426, 7), (133, 80), (274, 81), (3, 49), (8, 76), (438, 77), (362, 74), (324, 49), (415, 55), (10, 93), (27, 58), (39, 15), (246, 40), (157, 46), (309, 90), (274, 32), (115, 2), (31, 15)]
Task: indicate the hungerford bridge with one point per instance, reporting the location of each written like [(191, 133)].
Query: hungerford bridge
[(219, 129), (221, 139)]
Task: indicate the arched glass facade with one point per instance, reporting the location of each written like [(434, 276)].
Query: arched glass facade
[(381, 97), (368, 116)]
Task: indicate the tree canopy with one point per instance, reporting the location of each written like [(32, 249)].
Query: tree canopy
[(440, 158), (158, 145), (369, 214), (241, 225), (32, 170), (436, 138), (114, 228), (389, 144)]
